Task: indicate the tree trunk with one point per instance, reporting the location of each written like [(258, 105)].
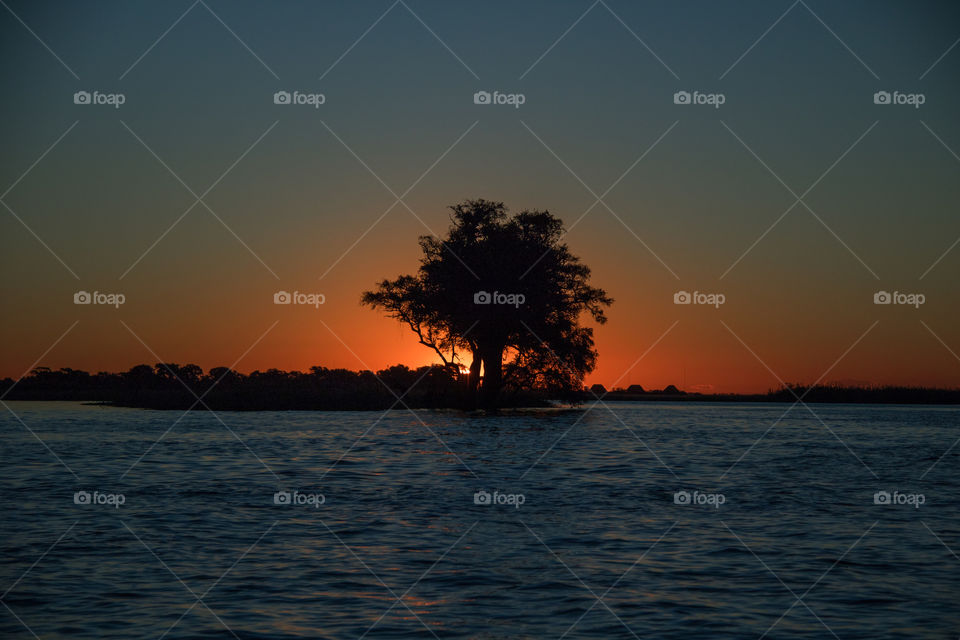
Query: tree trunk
[(492, 376), (473, 378)]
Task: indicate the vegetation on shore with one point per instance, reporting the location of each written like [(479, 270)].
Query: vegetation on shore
[(172, 386)]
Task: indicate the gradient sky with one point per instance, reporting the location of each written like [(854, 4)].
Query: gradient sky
[(800, 99)]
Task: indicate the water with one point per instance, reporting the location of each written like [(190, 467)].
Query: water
[(598, 548)]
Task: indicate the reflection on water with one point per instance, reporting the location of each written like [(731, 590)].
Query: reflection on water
[(420, 530)]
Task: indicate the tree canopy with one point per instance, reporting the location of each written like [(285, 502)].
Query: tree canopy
[(507, 291)]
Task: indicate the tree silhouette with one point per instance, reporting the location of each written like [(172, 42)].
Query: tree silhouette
[(499, 287)]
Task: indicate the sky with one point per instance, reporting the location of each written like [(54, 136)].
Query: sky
[(797, 199)]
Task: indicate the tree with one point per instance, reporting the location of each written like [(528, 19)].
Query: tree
[(499, 287)]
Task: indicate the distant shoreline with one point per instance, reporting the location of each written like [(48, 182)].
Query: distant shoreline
[(822, 394), (952, 397), (529, 400), (171, 386)]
